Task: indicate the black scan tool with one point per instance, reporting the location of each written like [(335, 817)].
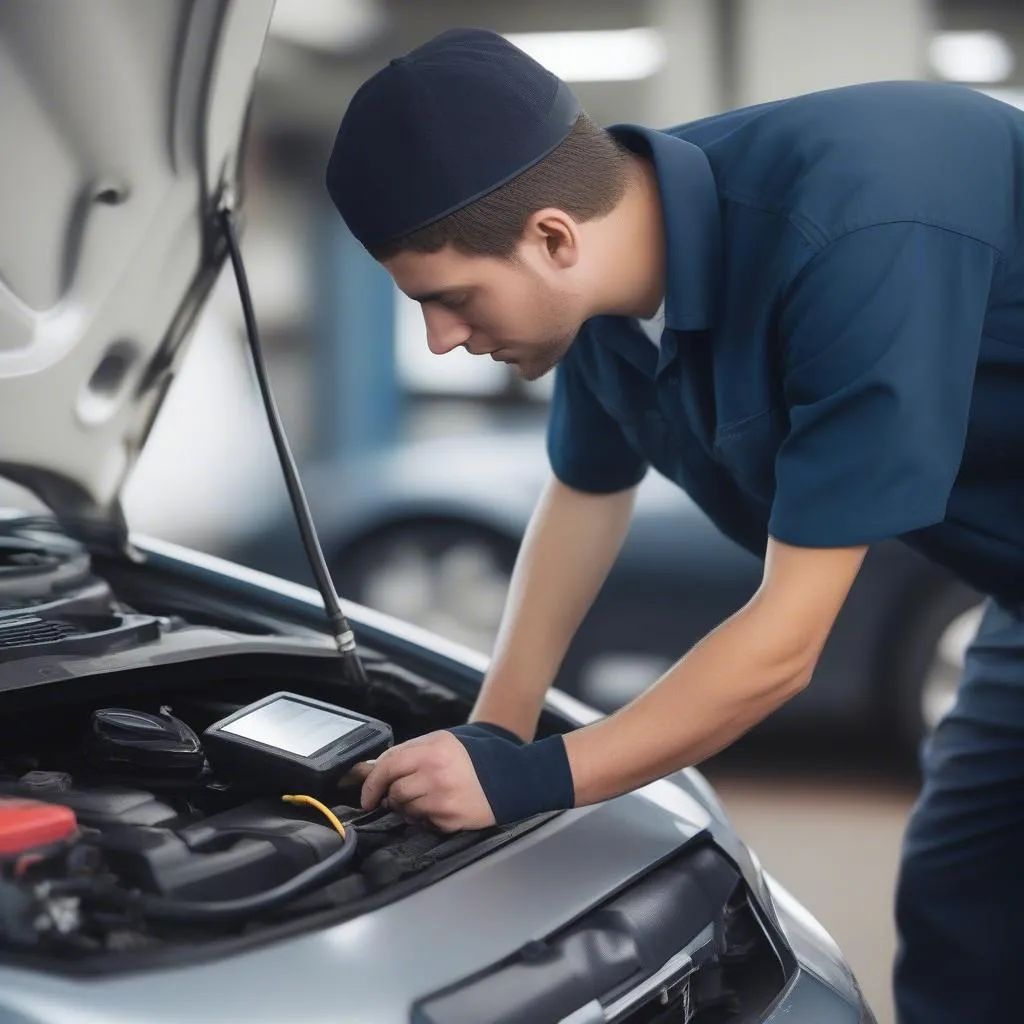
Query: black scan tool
[(288, 743)]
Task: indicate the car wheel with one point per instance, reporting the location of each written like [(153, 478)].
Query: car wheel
[(930, 662), (447, 577)]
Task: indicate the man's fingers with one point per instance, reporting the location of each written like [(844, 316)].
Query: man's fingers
[(386, 771), (427, 808), (405, 790), (418, 808), (357, 773)]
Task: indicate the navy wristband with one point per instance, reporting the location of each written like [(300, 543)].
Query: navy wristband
[(519, 780), (490, 729)]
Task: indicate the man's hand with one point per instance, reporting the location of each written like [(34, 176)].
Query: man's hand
[(471, 776), (430, 777)]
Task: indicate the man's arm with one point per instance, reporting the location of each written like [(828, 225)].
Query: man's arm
[(881, 333), (569, 547), (735, 677)]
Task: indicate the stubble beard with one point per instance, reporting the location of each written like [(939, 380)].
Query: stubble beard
[(547, 355), (541, 363)]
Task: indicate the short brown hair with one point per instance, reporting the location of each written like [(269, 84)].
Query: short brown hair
[(585, 175)]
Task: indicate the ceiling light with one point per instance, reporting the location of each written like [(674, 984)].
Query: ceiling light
[(972, 56), (616, 55)]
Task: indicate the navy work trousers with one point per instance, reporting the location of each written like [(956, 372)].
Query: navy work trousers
[(960, 897)]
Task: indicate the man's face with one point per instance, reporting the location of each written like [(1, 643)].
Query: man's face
[(510, 310)]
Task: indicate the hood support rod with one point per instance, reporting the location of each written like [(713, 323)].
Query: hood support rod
[(340, 629)]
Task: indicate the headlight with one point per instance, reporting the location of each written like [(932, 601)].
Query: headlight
[(816, 950)]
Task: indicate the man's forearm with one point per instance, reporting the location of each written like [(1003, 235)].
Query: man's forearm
[(728, 683), (571, 544), (732, 679)]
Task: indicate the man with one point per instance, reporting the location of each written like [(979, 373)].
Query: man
[(841, 283)]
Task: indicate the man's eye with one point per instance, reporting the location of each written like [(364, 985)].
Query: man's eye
[(453, 302)]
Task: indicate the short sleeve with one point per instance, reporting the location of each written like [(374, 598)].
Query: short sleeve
[(587, 448), (881, 335)]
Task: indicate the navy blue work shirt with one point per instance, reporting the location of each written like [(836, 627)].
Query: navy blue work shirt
[(843, 354)]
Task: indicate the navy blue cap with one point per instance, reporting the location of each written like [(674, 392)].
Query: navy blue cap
[(439, 128)]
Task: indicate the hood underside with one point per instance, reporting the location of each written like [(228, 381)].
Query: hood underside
[(122, 121)]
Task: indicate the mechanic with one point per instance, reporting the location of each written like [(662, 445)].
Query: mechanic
[(809, 314)]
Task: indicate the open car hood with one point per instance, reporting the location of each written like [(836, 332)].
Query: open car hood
[(121, 124)]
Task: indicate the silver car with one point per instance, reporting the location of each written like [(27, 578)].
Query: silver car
[(147, 876)]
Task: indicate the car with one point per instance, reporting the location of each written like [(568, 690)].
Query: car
[(160, 707), (428, 528)]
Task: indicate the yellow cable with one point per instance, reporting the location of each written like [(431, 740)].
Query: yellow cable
[(323, 808)]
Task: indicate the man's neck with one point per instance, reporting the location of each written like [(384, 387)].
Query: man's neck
[(633, 282)]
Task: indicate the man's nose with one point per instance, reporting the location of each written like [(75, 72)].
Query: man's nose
[(445, 330)]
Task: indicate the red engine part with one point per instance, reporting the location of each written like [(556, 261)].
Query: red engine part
[(28, 824)]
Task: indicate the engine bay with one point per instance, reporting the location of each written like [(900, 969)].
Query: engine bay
[(121, 832), (170, 828)]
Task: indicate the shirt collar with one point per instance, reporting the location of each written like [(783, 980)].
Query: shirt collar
[(693, 229)]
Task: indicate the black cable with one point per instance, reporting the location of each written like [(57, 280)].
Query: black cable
[(162, 908), (340, 628)]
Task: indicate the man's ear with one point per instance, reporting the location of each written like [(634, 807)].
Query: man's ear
[(556, 234)]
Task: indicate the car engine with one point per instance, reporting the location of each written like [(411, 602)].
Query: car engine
[(111, 842), (119, 831), (89, 825)]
